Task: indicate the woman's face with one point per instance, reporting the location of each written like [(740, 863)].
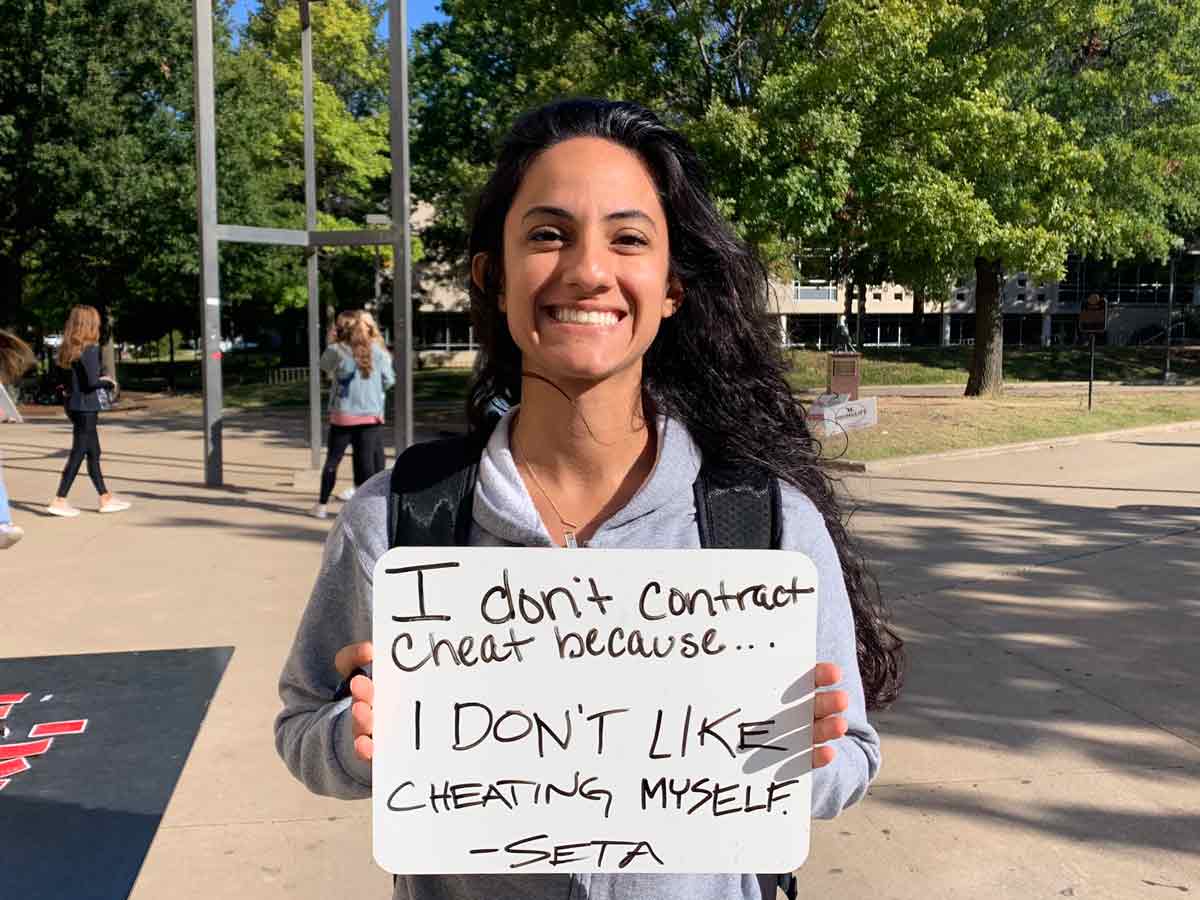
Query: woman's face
[(586, 263)]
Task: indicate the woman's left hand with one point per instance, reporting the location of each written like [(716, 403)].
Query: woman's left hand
[(828, 722)]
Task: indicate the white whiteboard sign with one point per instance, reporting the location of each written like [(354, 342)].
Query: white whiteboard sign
[(549, 710)]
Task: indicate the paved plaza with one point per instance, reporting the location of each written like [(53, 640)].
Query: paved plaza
[(1047, 745)]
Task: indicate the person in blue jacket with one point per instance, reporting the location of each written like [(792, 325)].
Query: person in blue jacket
[(361, 371)]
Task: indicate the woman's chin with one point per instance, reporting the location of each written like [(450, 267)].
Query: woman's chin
[(583, 370)]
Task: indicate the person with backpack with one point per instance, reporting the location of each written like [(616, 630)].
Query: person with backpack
[(16, 358), (79, 353), (361, 370), (625, 326)]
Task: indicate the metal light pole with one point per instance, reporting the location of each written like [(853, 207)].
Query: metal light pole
[(213, 231), (1170, 318), (401, 227), (210, 266), (310, 223)]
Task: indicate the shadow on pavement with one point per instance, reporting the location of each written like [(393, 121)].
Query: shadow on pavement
[(1038, 628)]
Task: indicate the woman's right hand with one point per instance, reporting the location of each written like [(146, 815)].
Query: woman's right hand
[(362, 689)]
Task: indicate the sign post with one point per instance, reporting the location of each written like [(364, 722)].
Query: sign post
[(1093, 320), (593, 711)]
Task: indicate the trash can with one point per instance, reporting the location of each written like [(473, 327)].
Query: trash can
[(844, 374)]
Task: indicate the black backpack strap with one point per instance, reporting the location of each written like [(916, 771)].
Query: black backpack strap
[(432, 489), (741, 508), (738, 508)]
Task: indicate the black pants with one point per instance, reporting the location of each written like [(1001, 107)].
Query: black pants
[(367, 443), (85, 442)]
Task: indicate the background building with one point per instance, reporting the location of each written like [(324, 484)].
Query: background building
[(1036, 314)]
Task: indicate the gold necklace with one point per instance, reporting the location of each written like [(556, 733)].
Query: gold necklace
[(568, 527)]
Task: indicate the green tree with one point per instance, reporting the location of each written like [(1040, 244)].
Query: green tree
[(921, 139)]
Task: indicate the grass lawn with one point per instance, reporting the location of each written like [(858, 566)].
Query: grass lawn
[(950, 365), (446, 387), (907, 425), (914, 425)]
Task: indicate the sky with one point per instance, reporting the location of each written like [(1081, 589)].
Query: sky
[(419, 12)]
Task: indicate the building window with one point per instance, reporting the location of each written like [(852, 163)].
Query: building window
[(1041, 297), (961, 296), (1020, 298), (879, 296), (899, 295), (1020, 282)]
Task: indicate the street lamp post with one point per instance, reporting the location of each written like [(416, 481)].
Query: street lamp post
[(1170, 320)]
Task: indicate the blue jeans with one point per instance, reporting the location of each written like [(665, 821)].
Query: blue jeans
[(5, 512)]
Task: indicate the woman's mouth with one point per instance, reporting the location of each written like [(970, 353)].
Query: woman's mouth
[(574, 316)]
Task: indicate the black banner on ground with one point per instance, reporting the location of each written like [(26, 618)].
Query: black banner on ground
[(91, 747)]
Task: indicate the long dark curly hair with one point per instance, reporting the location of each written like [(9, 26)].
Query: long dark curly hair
[(714, 366)]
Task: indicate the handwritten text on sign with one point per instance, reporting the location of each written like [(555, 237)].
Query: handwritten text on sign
[(543, 710)]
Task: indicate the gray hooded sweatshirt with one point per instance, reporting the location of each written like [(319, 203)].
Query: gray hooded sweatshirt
[(313, 732)]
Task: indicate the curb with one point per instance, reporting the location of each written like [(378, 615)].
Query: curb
[(55, 412), (887, 465)]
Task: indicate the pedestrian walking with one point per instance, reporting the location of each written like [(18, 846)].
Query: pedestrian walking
[(16, 358), (626, 326), (80, 354), (361, 370)]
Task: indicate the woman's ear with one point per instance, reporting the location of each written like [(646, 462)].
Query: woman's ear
[(479, 267), (674, 297)]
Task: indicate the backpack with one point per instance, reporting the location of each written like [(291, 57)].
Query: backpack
[(432, 494)]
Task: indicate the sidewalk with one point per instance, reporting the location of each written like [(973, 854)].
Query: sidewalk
[(1047, 744)]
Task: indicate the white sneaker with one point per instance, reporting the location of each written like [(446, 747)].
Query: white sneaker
[(66, 511), (320, 511), (115, 505), (346, 494), (10, 534)]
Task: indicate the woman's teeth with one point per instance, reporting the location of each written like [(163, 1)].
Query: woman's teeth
[(583, 317)]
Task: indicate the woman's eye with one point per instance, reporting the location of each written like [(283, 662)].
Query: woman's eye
[(544, 235), (632, 240)]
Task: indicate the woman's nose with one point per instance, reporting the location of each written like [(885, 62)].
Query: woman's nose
[(587, 266)]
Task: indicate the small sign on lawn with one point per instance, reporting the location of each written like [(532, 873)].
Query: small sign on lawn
[(832, 413), (1093, 315)]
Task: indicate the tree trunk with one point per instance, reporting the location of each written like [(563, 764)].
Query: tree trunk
[(862, 311), (918, 316), (171, 365), (987, 364), (11, 285), (108, 350)]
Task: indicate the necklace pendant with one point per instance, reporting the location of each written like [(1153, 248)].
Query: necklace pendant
[(569, 540)]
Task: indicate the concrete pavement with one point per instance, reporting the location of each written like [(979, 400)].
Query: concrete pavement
[(1047, 744)]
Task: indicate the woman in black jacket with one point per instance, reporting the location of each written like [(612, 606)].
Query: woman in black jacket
[(80, 353)]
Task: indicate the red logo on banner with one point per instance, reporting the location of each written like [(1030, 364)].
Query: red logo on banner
[(14, 757)]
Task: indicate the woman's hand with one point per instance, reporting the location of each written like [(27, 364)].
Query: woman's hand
[(828, 722), (362, 689)]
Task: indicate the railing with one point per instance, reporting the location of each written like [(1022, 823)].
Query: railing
[(287, 375), (824, 293)]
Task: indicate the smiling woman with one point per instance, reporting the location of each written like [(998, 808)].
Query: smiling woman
[(586, 264), (624, 326)]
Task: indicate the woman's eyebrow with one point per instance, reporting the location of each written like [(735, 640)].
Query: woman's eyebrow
[(559, 213), (631, 214), (556, 211)]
